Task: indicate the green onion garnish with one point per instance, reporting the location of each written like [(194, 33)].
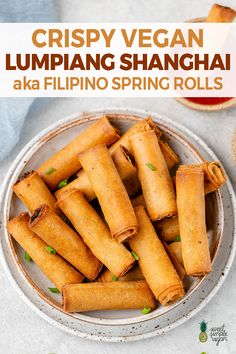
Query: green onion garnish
[(149, 165), (27, 257), (136, 257), (54, 290), (62, 183), (50, 170), (50, 250), (146, 310), (114, 278), (177, 238)]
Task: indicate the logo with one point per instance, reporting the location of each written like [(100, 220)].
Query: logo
[(218, 334), (203, 334)]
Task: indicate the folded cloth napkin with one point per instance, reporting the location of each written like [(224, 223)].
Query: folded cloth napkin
[(13, 111)]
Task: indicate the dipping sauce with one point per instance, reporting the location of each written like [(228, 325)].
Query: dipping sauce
[(211, 101)]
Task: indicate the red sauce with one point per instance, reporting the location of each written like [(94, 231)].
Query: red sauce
[(209, 100)]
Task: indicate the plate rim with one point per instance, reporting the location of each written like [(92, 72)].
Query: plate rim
[(115, 110)]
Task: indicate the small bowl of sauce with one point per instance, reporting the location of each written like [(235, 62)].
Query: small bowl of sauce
[(208, 103), (211, 103)]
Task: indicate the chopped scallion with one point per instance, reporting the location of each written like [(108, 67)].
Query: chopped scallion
[(50, 170), (149, 165), (50, 250), (136, 257), (27, 257), (62, 183)]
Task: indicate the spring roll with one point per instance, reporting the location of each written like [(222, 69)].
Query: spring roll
[(169, 155), (132, 184), (158, 190), (65, 162), (219, 13), (110, 191), (125, 167), (177, 250), (95, 233), (141, 127), (124, 164), (139, 200), (52, 265), (57, 234), (214, 176), (127, 170), (134, 274), (192, 223), (168, 229), (178, 266), (33, 192), (154, 262), (107, 296)]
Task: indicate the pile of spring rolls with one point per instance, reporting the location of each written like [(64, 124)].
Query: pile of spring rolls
[(109, 226)]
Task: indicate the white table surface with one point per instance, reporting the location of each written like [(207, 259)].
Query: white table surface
[(21, 330)]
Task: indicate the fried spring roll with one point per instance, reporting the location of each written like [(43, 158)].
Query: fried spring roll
[(52, 265), (107, 296), (214, 176), (141, 127), (154, 262), (168, 229), (169, 155), (192, 224), (95, 233), (65, 162), (110, 191), (139, 200), (175, 261), (177, 250), (57, 234), (219, 13), (124, 162), (125, 167), (158, 190), (134, 274), (33, 192), (132, 184)]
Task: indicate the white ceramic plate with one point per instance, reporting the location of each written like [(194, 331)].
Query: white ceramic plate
[(32, 285)]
